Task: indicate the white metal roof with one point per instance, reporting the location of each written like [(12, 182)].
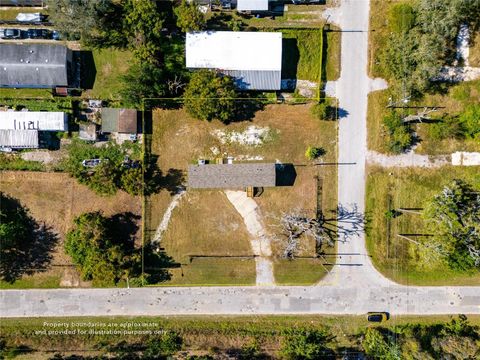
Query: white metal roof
[(234, 50), (19, 139), (248, 5), (33, 120)]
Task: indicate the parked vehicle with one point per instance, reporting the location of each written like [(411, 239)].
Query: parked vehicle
[(38, 34), (11, 34), (55, 35), (378, 316)]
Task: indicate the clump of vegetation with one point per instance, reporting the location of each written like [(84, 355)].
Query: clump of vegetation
[(399, 135), (189, 17), (324, 110), (401, 18), (422, 41), (314, 152), (447, 128), (210, 96), (453, 216), (114, 171), (306, 344), (470, 120), (15, 162)]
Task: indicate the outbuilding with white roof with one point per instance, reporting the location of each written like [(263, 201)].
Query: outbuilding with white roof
[(33, 120), (253, 59)]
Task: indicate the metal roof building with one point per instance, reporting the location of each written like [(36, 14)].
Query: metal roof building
[(252, 5), (119, 120), (231, 176), (33, 120), (19, 139), (253, 59), (34, 66)]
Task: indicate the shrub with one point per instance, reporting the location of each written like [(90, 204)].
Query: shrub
[(449, 128), (305, 344), (314, 152), (399, 136), (470, 120), (401, 18)]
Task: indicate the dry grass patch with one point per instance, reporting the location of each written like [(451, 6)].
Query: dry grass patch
[(474, 57)]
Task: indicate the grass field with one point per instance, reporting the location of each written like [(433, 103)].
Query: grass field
[(397, 258), (54, 199), (332, 54), (204, 335), (214, 227), (11, 13), (302, 54), (453, 103), (109, 65)]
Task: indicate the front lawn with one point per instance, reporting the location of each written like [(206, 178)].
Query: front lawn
[(395, 257)]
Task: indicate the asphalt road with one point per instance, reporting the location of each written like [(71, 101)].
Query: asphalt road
[(354, 287)]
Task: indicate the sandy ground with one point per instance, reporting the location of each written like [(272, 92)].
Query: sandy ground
[(261, 244), (166, 216)]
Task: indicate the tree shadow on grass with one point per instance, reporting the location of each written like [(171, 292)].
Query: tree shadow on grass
[(156, 180), (26, 245)]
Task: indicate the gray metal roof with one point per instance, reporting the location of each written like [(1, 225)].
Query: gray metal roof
[(19, 139), (33, 65), (255, 79), (231, 176), (248, 5)]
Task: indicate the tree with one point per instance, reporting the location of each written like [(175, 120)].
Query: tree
[(143, 80), (211, 96), (132, 181), (399, 137), (305, 344), (144, 23), (168, 343), (97, 255), (453, 216), (189, 17)]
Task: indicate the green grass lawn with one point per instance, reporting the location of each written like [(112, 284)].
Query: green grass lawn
[(213, 271), (26, 93), (332, 54), (102, 71), (395, 257), (39, 281), (302, 54), (474, 56), (299, 271)]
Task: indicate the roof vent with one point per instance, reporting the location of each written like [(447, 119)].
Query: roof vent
[(31, 51), (36, 69), (28, 61), (5, 68), (21, 60), (46, 60)]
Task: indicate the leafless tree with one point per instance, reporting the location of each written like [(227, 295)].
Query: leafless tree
[(420, 116), (175, 85)]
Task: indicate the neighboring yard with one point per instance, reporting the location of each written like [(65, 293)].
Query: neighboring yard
[(395, 257), (453, 103), (102, 73), (205, 223), (54, 199), (332, 54)]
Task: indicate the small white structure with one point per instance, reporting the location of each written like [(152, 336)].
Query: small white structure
[(253, 59), (19, 139), (463, 158), (252, 5), (33, 120)]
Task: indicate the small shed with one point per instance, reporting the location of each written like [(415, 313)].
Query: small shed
[(123, 121), (19, 139), (252, 5), (87, 131), (231, 176)]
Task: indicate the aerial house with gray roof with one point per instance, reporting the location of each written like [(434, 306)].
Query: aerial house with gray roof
[(231, 176), (35, 66), (252, 59)]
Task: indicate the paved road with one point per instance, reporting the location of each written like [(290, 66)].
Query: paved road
[(354, 287)]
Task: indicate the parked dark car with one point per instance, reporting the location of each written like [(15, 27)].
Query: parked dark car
[(38, 34), (378, 316), (11, 34)]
